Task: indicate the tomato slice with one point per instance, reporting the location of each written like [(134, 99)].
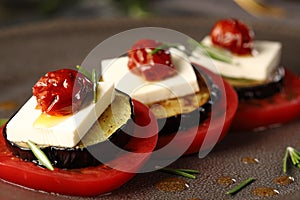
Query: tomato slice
[(88, 181), (278, 109), (212, 130)]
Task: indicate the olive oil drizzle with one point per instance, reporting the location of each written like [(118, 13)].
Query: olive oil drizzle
[(48, 121), (172, 185), (264, 192)]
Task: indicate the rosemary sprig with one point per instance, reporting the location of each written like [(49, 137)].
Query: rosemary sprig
[(239, 187), (285, 158), (214, 53), (294, 156), (163, 46), (3, 121), (93, 77), (188, 173), (95, 84), (40, 155), (84, 72)]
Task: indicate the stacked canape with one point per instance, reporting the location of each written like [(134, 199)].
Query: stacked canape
[(269, 94), (179, 94)]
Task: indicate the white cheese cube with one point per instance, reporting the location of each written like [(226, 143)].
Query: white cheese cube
[(183, 83), (265, 60), (69, 131)]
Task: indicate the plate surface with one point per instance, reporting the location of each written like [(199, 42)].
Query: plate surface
[(28, 52)]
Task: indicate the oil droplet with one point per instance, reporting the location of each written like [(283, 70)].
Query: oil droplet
[(264, 192), (8, 105), (172, 185), (47, 121), (284, 180), (225, 181), (250, 160)]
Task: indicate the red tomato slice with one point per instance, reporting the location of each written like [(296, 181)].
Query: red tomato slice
[(278, 109), (88, 181), (209, 132)]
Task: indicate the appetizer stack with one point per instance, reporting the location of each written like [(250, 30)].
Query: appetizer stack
[(163, 79), (61, 119), (269, 93), (179, 94), (75, 128)]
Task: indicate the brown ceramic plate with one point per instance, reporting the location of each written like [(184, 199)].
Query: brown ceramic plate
[(28, 52)]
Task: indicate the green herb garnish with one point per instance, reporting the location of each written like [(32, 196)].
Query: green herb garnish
[(163, 46), (95, 84), (40, 155), (84, 72), (3, 121), (240, 186), (294, 156), (188, 173), (93, 77), (214, 53)]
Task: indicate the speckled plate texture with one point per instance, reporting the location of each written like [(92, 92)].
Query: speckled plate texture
[(29, 51)]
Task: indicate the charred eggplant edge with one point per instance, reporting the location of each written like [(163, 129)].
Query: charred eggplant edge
[(185, 121), (263, 90)]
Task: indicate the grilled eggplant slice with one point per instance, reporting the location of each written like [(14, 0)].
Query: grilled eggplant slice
[(248, 89), (112, 128), (182, 113)]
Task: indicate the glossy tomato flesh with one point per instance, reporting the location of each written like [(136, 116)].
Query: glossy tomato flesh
[(233, 35), (208, 130), (88, 181), (150, 66), (278, 109), (61, 92)]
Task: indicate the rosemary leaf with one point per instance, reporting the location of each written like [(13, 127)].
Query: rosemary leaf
[(3, 121), (95, 84), (163, 46), (285, 158), (240, 186), (296, 154), (293, 155), (188, 173), (84, 72), (93, 77), (214, 53), (40, 155), (178, 172)]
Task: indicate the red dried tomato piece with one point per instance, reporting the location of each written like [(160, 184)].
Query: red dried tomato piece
[(152, 66), (233, 35), (61, 92)]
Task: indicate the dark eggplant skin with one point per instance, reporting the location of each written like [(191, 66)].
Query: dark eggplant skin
[(81, 156), (184, 121), (264, 90)]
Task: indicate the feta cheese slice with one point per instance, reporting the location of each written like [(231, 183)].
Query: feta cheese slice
[(182, 84), (68, 132), (257, 67)]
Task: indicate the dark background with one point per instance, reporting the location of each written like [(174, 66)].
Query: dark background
[(14, 12), (38, 36)]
